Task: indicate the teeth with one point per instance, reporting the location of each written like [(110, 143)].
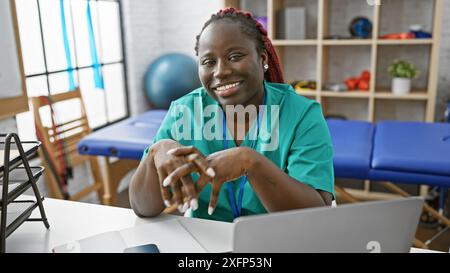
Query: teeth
[(226, 87)]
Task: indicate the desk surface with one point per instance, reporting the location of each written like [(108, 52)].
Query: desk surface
[(71, 221)]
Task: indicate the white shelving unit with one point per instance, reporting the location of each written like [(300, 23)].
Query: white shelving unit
[(374, 53)]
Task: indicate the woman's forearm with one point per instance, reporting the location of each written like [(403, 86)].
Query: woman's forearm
[(144, 189), (276, 189)]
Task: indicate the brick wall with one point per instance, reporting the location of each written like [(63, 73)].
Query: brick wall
[(142, 45), (444, 64)]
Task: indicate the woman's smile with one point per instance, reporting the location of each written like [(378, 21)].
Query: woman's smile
[(228, 89)]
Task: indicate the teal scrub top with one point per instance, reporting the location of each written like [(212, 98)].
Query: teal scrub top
[(304, 149)]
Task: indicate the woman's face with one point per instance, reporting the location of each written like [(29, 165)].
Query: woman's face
[(230, 67)]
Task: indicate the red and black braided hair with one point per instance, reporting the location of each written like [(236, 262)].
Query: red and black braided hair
[(255, 31)]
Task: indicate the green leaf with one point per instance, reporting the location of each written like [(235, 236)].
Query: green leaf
[(402, 69)]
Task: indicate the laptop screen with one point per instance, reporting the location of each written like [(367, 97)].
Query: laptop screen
[(379, 226)]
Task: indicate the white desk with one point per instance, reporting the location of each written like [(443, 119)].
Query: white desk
[(71, 221)]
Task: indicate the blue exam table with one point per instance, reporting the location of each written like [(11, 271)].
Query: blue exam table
[(126, 139), (397, 151)]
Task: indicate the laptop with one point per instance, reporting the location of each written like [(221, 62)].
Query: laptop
[(379, 226)]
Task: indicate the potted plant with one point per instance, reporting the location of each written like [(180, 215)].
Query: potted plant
[(402, 73)]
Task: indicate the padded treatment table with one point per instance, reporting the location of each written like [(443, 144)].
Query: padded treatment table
[(397, 151), (352, 145), (412, 152), (125, 141)]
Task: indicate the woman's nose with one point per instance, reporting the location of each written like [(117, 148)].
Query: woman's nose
[(222, 70)]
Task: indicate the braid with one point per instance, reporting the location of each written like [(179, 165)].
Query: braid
[(254, 30)]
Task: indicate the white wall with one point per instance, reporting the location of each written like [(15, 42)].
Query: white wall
[(183, 21), (142, 45), (8, 125)]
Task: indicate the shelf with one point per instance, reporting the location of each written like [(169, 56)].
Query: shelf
[(18, 181), (399, 109), (410, 96), (307, 42), (397, 16), (337, 15), (405, 42), (343, 42), (29, 148), (347, 42), (14, 181), (17, 213), (306, 93), (346, 94)]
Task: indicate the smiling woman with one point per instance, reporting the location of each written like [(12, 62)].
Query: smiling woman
[(242, 172)]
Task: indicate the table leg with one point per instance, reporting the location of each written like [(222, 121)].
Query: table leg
[(115, 171)]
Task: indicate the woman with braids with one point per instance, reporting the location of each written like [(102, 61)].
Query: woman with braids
[(237, 174)]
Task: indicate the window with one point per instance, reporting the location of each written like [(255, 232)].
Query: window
[(46, 64)]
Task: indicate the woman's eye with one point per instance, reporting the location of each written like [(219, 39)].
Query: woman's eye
[(208, 62), (235, 57)]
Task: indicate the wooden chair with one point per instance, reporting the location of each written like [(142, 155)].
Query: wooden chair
[(59, 145)]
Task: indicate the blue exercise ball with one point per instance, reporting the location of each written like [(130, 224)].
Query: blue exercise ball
[(170, 77)]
